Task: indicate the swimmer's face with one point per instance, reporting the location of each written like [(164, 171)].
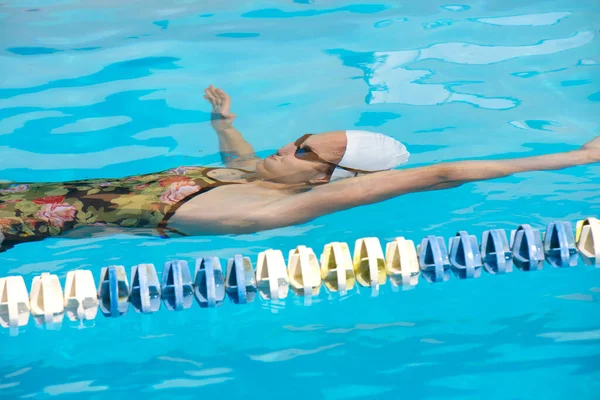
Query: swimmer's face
[(309, 159)]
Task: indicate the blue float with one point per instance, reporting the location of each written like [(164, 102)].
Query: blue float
[(240, 281), (559, 245), (465, 258), (495, 252), (527, 249), (113, 291), (145, 289), (208, 282), (433, 259), (177, 290)]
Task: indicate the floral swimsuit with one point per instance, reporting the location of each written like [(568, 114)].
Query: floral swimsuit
[(34, 211)]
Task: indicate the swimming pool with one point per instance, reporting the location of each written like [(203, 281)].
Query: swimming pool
[(90, 91)]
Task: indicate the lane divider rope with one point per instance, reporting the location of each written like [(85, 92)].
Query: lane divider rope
[(305, 273)]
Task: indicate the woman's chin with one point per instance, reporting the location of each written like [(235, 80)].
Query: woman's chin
[(260, 168), (265, 169)]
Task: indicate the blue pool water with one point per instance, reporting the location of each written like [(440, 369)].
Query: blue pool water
[(107, 89)]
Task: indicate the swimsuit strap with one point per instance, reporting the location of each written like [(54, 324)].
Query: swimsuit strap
[(161, 231)]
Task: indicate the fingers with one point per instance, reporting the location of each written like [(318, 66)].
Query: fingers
[(210, 95), (218, 98), (222, 95), (225, 102)]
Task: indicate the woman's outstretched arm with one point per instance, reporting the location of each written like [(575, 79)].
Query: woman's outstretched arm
[(235, 150), (376, 187)]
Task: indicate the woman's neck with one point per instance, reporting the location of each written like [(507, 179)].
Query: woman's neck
[(283, 187)]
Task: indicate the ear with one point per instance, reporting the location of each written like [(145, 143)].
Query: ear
[(321, 180)]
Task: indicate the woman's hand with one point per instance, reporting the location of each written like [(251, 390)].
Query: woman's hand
[(221, 118)]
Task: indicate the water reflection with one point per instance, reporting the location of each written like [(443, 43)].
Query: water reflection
[(394, 76), (550, 18), (288, 354)]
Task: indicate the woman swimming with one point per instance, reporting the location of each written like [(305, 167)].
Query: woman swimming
[(318, 174)]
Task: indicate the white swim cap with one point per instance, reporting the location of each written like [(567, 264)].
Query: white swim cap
[(370, 151)]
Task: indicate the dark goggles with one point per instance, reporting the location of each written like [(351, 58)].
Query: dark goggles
[(307, 154)]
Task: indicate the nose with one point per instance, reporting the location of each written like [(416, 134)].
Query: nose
[(287, 149)]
